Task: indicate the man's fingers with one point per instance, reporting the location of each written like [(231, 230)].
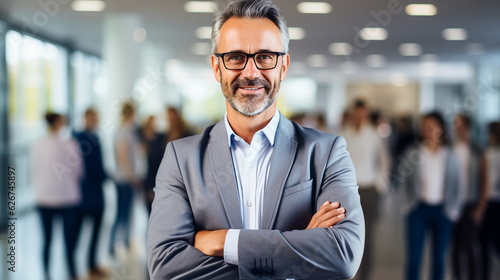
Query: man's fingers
[(330, 214), (332, 221)]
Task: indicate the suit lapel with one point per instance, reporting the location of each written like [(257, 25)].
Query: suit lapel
[(222, 163), (285, 147)]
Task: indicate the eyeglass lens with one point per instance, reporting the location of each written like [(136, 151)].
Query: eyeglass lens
[(238, 61)]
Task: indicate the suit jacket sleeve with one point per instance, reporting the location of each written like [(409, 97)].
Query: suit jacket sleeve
[(320, 253), (171, 254)]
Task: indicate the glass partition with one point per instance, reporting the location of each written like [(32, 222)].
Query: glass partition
[(37, 74)]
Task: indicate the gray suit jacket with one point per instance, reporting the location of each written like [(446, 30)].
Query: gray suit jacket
[(196, 190)]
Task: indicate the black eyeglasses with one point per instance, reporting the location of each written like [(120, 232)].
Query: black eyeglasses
[(238, 60)]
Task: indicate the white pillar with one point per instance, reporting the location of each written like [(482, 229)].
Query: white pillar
[(427, 98)]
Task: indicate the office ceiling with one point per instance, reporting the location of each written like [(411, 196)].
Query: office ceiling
[(173, 29)]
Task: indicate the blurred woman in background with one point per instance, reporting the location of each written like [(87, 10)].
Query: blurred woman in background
[(433, 196), (57, 168), (472, 165), (490, 231), (128, 152)]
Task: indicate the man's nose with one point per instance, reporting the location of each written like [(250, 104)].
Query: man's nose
[(250, 71)]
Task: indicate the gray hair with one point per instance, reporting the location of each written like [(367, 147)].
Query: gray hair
[(250, 9)]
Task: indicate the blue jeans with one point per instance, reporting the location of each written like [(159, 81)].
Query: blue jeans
[(125, 196), (427, 218)]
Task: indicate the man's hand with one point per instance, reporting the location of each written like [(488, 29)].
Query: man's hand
[(328, 215), (211, 243)]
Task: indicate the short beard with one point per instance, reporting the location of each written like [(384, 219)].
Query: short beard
[(250, 105)]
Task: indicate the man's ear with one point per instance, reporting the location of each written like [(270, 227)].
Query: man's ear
[(285, 65), (214, 61)]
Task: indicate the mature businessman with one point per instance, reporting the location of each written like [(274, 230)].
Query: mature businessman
[(255, 196)]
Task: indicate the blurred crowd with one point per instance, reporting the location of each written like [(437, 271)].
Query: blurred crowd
[(74, 192), (448, 179)]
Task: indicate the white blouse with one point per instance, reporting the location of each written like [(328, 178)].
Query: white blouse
[(57, 167)]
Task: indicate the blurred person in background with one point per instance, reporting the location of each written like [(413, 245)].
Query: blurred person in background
[(91, 186), (177, 127), (154, 144), (57, 169), (371, 162), (472, 166), (433, 196), (128, 178), (490, 229), (402, 138)]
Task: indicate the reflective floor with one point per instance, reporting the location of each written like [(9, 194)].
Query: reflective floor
[(131, 264)]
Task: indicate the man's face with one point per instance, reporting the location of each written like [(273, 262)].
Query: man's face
[(250, 91)]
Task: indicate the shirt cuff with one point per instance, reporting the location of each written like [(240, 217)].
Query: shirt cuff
[(231, 246)]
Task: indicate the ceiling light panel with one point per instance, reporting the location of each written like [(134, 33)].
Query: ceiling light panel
[(204, 32), (340, 48), (139, 35), (454, 34), (410, 49), (317, 60), (296, 33), (314, 7), (373, 34), (200, 7), (201, 48), (421, 10), (88, 6)]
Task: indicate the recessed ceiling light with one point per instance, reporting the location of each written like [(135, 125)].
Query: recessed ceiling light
[(140, 35), (454, 34), (373, 33), (340, 48), (421, 10), (375, 60), (474, 49), (200, 7), (314, 7), (201, 48), (410, 49), (296, 33), (317, 60), (204, 32), (88, 6)]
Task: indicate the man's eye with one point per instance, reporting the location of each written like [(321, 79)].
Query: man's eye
[(264, 57), (236, 57)]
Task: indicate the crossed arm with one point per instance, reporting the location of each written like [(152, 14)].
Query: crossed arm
[(211, 243)]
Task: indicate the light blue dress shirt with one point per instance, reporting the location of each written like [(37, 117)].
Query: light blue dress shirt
[(251, 164)]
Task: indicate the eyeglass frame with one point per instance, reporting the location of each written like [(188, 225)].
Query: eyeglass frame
[(249, 55)]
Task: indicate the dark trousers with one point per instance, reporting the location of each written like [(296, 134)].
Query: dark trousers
[(70, 230), (125, 196), (422, 219), (369, 203), (95, 216), (464, 246), (489, 238)]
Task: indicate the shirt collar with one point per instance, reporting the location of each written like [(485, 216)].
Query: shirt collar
[(269, 130)]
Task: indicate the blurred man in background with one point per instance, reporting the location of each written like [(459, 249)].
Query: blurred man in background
[(91, 186), (371, 161)]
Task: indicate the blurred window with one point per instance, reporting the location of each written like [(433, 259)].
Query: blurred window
[(37, 82)]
